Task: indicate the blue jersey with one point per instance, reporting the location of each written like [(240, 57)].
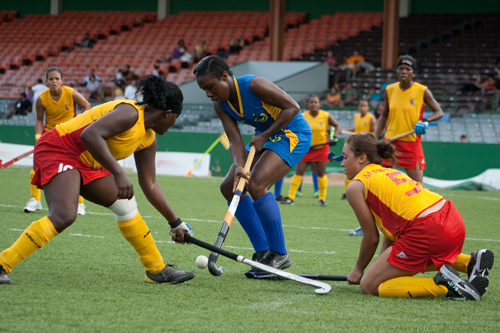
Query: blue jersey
[(291, 143)]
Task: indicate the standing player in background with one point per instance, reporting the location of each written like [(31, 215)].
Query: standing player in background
[(319, 121), (282, 137), (364, 122), (80, 157), (403, 111), (422, 231), (57, 104), (38, 88)]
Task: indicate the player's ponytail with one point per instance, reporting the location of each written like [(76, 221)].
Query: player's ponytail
[(159, 93), (366, 143)]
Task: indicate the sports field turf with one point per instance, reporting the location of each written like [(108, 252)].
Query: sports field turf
[(89, 279)]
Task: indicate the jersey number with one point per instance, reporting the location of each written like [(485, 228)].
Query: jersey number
[(397, 181), (63, 167)]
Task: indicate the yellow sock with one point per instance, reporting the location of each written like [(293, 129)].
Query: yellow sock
[(136, 231), (34, 237), (409, 286), (80, 199), (323, 186), (460, 264), (296, 180), (35, 192)]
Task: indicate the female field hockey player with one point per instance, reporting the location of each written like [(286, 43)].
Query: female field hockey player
[(80, 157), (282, 137), (422, 230), (403, 111)]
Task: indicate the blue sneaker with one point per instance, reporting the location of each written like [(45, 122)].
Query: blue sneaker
[(357, 232)]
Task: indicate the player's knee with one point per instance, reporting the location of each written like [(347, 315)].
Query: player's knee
[(256, 189), (124, 209), (368, 288), (63, 219)]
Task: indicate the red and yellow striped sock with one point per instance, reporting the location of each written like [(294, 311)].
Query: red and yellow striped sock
[(409, 286), (34, 237), (136, 231), (323, 186), (294, 186)]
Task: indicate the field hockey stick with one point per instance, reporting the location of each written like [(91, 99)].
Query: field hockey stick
[(252, 275), (228, 219), (321, 287), (333, 158), (14, 160), (399, 136), (348, 132)]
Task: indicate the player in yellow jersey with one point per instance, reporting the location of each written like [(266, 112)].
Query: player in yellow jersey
[(422, 230), (57, 104), (80, 157), (403, 111), (319, 121)]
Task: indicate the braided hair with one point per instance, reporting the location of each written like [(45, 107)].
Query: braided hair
[(366, 143), (213, 65), (159, 93)]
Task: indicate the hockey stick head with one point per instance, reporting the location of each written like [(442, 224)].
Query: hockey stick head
[(333, 158), (212, 267)]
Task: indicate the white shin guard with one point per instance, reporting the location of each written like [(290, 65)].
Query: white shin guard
[(124, 209)]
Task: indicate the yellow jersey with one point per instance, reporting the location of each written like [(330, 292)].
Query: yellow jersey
[(121, 145), (405, 109), (394, 198), (57, 112), (319, 126), (362, 123)]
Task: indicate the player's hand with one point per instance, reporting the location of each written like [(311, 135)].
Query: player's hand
[(333, 141), (238, 174), (421, 127), (177, 233), (124, 186), (355, 276), (258, 142)]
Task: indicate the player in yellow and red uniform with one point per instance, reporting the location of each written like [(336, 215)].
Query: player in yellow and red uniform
[(57, 104), (80, 157), (422, 230), (319, 121), (403, 111)]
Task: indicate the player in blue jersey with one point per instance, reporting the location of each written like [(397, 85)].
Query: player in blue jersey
[(282, 137)]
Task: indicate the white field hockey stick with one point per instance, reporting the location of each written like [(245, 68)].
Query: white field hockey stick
[(14, 160), (321, 287), (324, 277), (228, 219)]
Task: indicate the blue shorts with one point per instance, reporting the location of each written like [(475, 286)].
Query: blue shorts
[(292, 142)]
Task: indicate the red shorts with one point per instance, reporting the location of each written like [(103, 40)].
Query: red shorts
[(434, 239), (317, 154), (408, 154), (52, 157)]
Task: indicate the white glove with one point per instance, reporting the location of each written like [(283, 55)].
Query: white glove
[(178, 224)]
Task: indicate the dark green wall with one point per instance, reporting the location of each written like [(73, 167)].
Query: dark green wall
[(445, 160)]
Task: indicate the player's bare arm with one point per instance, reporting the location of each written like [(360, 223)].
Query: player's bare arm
[(437, 112), (81, 101)]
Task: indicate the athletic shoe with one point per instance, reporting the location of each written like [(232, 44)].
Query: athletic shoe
[(322, 203), (357, 232), (479, 268), (257, 256), (298, 194), (279, 198), (458, 289), (344, 197), (275, 260), (4, 278), (170, 275), (81, 209), (316, 194), (32, 205), (287, 201)]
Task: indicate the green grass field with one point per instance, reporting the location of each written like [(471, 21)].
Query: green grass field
[(89, 279)]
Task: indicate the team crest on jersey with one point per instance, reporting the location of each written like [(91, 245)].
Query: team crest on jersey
[(412, 101), (275, 138), (262, 118)]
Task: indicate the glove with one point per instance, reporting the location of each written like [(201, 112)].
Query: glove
[(421, 127), (178, 224), (333, 141)]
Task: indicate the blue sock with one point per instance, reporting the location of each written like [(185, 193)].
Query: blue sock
[(268, 211), (277, 187), (245, 213), (315, 181)]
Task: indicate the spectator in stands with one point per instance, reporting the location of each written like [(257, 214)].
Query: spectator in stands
[(234, 47), (379, 110), (87, 42), (355, 63), (37, 89), (87, 78), (388, 80), (127, 73), (333, 98), (488, 87), (404, 102), (156, 70), (94, 88), (21, 107), (330, 59), (130, 90), (349, 94), (119, 91), (463, 138), (374, 97), (472, 87), (179, 49), (200, 50)]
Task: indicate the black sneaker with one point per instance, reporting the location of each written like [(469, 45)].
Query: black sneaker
[(170, 275), (479, 268), (4, 278), (322, 203), (275, 260), (257, 256), (287, 201), (279, 198), (458, 289)]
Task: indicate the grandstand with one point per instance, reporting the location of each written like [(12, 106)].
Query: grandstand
[(450, 48)]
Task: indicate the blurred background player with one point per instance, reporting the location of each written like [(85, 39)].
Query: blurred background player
[(80, 156), (282, 137), (364, 122), (319, 121), (422, 231), (403, 111), (57, 105)]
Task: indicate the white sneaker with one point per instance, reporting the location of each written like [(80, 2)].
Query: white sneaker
[(81, 209), (32, 205)]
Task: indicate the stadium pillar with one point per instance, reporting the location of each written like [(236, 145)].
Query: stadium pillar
[(163, 9), (276, 27), (56, 7), (390, 38)]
